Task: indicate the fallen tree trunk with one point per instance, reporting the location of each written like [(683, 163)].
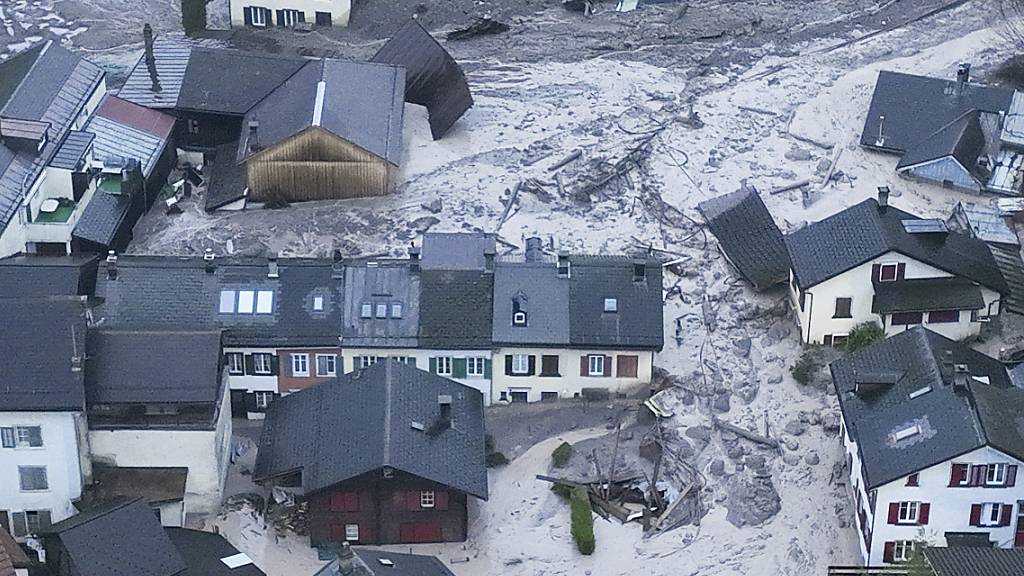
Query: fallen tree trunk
[(789, 187), (752, 436)]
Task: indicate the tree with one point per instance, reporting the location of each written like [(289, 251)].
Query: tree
[(582, 527), (193, 16), (863, 335)]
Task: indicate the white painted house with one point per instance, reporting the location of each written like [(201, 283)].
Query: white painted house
[(933, 450), (288, 13), (875, 263)]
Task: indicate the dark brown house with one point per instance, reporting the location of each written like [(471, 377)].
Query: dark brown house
[(385, 455)]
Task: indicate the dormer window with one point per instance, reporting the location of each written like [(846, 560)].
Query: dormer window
[(519, 319), (611, 305)]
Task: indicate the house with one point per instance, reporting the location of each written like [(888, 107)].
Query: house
[(997, 230), (280, 317), (161, 400), (875, 262), (366, 562), (568, 326), (32, 275), (932, 445), (389, 454), (748, 237), (161, 487), (43, 456), (974, 561), (289, 13), (122, 538), (13, 560), (951, 132)]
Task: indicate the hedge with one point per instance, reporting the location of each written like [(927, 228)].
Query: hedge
[(560, 457), (582, 522)]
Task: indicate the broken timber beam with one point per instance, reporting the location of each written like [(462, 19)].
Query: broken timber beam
[(789, 187), (671, 508), (566, 160), (620, 513), (752, 436)]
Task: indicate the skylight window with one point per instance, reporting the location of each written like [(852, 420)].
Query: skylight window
[(318, 303), (227, 301), (920, 392), (366, 311), (264, 301), (907, 432), (611, 305), (246, 300), (382, 310), (396, 309)]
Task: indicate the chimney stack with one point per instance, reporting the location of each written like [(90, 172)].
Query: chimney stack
[(111, 265), (253, 140), (534, 249), (444, 404), (147, 39), (883, 197), (208, 258), (563, 264), (639, 270), (961, 376), (489, 256), (272, 270), (963, 76), (414, 258)]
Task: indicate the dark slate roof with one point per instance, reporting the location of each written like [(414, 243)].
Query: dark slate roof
[(401, 564), (381, 281), (362, 421), (207, 88), (226, 180), (127, 130), (177, 293), (542, 294), (748, 236), (30, 275), (456, 250), (433, 78), (72, 150), (865, 231), (1009, 261), (15, 69), (164, 367), (924, 294), (102, 217), (154, 485), (951, 422), (917, 106), (362, 103), (639, 321), (203, 551), (456, 308), (961, 139), (40, 336), (119, 539), (172, 56), (972, 561)]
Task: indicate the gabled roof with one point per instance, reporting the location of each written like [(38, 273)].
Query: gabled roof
[(455, 308), (130, 131), (457, 250), (864, 231), (40, 337), (119, 539), (364, 421), (962, 139), (975, 561), (917, 106), (394, 564), (203, 552), (927, 294), (541, 293), (950, 422), (355, 101), (31, 275), (433, 78), (171, 56), (162, 367), (639, 320), (748, 236), (383, 282), (207, 88)]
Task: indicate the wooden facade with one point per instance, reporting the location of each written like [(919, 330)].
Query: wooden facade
[(387, 508), (316, 165)]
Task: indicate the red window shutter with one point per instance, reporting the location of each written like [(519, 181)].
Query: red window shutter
[(890, 552), (1011, 475), (441, 500), (584, 366), (894, 512), (922, 514), (412, 500), (607, 366), (975, 515), (957, 474), (1007, 516), (901, 270)]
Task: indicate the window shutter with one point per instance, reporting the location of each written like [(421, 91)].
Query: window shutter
[(975, 515), (275, 364), (269, 14), (978, 475), (876, 272), (487, 368), (412, 500), (432, 363), (458, 368), (302, 16), (889, 552), (956, 473), (532, 368), (19, 524), (247, 12), (1011, 475), (607, 366), (35, 436), (441, 500), (922, 513), (894, 512), (901, 270), (584, 367), (249, 364), (1007, 516), (7, 437), (508, 364), (280, 17)]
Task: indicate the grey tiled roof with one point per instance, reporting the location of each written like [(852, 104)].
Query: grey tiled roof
[(543, 296), (363, 421), (975, 561), (102, 217), (73, 150), (39, 339), (167, 292), (639, 321), (207, 87), (456, 250), (401, 564), (962, 139), (924, 294), (29, 276), (227, 180), (865, 231), (119, 539), (385, 281), (203, 551), (128, 367), (171, 60), (951, 422), (455, 308), (748, 236), (916, 106), (117, 140)]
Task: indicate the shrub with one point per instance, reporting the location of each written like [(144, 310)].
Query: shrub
[(193, 16), (496, 459), (560, 457), (562, 491), (804, 369), (582, 522), (863, 335)]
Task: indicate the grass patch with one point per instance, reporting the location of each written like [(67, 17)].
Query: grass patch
[(561, 455)]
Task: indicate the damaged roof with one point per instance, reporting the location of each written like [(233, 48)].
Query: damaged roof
[(226, 179), (927, 294), (637, 321), (154, 485), (433, 78), (949, 422), (962, 139), (748, 236), (367, 420), (203, 553)]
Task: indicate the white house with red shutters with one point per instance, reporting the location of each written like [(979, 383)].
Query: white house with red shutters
[(933, 448)]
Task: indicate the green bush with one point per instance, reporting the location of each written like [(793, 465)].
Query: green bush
[(582, 522), (496, 459), (863, 335), (560, 457), (562, 491), (193, 16), (804, 369)]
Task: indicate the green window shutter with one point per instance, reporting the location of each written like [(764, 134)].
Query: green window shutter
[(433, 365), (487, 368), (458, 368), (44, 520), (412, 361), (18, 521)]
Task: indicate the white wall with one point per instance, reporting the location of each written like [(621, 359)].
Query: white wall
[(961, 330), (339, 9), (569, 383), (60, 455), (251, 382), (349, 359)]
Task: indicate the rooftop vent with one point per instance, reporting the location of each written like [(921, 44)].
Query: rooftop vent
[(444, 404), (489, 256), (639, 270), (414, 258), (961, 376), (963, 76), (866, 383), (208, 257), (111, 265), (563, 264)]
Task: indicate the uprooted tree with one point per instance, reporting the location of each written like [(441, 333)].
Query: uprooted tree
[(1012, 12)]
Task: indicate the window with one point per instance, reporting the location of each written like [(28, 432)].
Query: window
[(367, 361), (193, 126), (246, 299), (913, 480), (943, 316), (626, 366), (503, 396), (366, 311), (843, 308), (991, 514), (548, 396), (382, 311), (32, 478), (227, 301), (888, 272), (908, 432), (549, 365), (34, 520), (596, 363), (907, 513), (906, 318), (318, 303), (995, 475), (838, 340), (902, 550), (259, 15), (263, 399), (326, 365), (264, 302), (323, 18), (475, 366), (427, 499), (611, 305), (444, 365), (520, 396), (352, 532), (262, 363), (28, 437), (300, 364), (396, 309), (520, 364), (290, 17), (235, 362), (519, 319)]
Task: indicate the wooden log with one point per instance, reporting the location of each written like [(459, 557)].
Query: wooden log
[(671, 507), (561, 163), (757, 110), (752, 436), (832, 168), (620, 513), (789, 187)]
